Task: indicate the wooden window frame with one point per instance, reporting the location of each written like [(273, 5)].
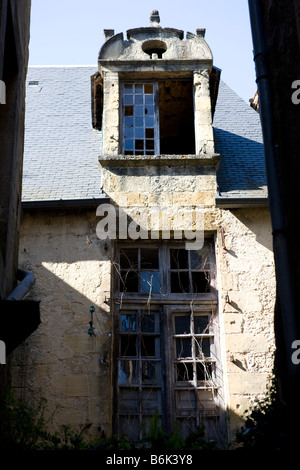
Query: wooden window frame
[(173, 402), (165, 270)]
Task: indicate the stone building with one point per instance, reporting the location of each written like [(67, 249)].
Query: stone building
[(14, 39), (155, 274)]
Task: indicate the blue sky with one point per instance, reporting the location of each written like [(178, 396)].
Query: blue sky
[(70, 32)]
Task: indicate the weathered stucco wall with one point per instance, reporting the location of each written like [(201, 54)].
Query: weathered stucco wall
[(246, 277), (61, 361)]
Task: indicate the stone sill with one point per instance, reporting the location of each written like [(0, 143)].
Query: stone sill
[(159, 160)]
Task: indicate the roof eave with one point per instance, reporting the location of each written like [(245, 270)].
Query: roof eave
[(58, 204), (241, 202)]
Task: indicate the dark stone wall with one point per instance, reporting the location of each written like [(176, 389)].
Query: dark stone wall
[(281, 23), (281, 20), (14, 39)]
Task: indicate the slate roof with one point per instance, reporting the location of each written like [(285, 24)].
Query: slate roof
[(238, 139), (61, 147)]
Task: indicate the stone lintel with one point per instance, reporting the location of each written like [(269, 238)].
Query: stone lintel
[(154, 65)]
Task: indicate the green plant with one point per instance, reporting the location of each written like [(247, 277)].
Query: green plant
[(25, 428), (21, 426), (266, 427)]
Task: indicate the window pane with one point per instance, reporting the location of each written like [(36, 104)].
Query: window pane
[(202, 346), (128, 372), (149, 110), (129, 258), (179, 259), (139, 122), (140, 133), (139, 110), (128, 111), (148, 88), (148, 99), (148, 345), (180, 282), (201, 324), (149, 121), (150, 281), (200, 282), (138, 88), (149, 144), (196, 260), (148, 324), (128, 323), (182, 325), (149, 133), (128, 345), (128, 132), (183, 347), (149, 374), (149, 258), (128, 99), (204, 370), (138, 99), (139, 144), (128, 144), (128, 121), (184, 371), (128, 88), (129, 281)]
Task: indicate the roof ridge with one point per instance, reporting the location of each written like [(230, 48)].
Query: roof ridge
[(63, 66)]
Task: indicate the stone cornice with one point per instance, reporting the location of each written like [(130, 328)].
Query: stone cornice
[(159, 160)]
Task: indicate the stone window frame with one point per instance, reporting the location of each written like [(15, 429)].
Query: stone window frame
[(184, 123)]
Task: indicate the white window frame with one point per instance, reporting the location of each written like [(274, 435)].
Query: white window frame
[(156, 114)]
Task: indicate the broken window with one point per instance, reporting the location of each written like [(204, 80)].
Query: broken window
[(189, 271), (158, 118), (141, 270), (166, 342), (139, 370), (140, 129)]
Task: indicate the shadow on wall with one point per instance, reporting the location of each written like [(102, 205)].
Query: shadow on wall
[(258, 221), (61, 361)]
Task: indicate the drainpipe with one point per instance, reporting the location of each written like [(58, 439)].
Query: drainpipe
[(26, 282), (280, 245)]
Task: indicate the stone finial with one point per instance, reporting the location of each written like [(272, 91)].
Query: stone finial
[(200, 32), (108, 33), (154, 18)]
